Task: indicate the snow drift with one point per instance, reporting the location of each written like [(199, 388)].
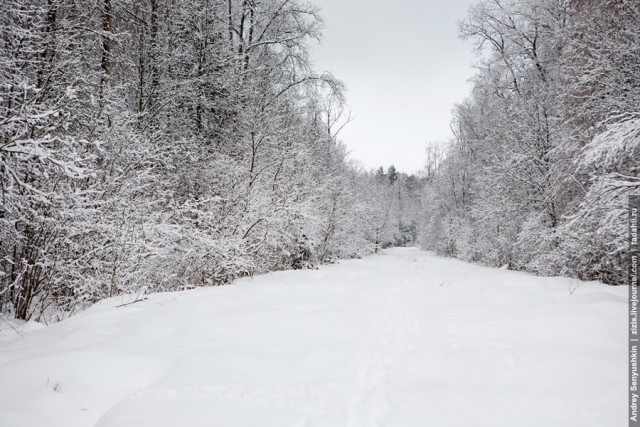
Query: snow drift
[(399, 339)]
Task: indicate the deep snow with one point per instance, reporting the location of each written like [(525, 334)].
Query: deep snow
[(399, 339)]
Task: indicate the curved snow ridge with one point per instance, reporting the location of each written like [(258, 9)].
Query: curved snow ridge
[(399, 339), (233, 405)]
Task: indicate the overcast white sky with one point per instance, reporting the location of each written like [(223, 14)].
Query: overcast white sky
[(404, 67)]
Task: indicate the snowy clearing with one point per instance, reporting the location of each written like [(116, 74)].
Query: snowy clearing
[(399, 339)]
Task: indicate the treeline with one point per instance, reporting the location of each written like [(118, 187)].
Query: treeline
[(165, 144), (547, 146)]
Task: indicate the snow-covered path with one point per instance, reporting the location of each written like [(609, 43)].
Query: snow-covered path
[(399, 339)]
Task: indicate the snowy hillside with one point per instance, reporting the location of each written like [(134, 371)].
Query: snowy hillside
[(399, 339)]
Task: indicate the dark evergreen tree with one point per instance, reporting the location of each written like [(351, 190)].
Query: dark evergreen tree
[(392, 174)]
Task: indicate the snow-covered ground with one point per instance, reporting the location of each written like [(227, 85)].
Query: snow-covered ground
[(399, 339)]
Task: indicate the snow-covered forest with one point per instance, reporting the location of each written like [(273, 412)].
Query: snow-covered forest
[(547, 146), (151, 150), (162, 145), (167, 144)]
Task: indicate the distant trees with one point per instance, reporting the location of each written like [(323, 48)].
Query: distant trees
[(395, 207), (546, 146)]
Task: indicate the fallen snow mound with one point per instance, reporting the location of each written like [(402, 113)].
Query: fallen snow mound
[(399, 339)]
